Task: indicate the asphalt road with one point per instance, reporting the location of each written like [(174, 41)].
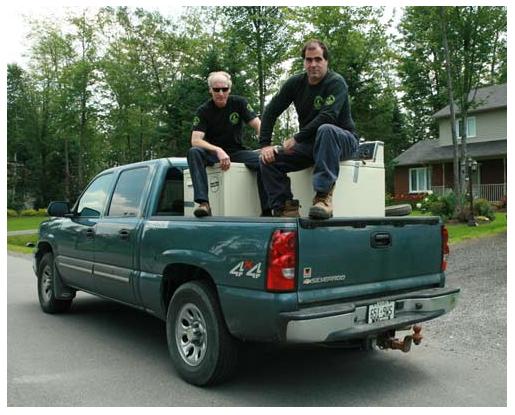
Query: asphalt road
[(105, 354)]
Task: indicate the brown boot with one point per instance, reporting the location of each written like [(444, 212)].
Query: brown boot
[(289, 210), (202, 210), (322, 205)]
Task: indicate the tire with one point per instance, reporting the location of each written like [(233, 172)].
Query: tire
[(398, 210), (202, 349), (46, 274)]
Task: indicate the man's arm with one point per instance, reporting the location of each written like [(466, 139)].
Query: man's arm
[(255, 123), (197, 140), (276, 107)]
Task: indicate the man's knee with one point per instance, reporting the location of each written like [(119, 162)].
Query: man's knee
[(327, 130), (251, 159), (195, 153)]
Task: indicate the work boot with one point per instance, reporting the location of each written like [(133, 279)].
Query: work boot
[(289, 210), (202, 210), (266, 213), (322, 205)]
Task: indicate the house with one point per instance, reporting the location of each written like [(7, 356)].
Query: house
[(428, 164)]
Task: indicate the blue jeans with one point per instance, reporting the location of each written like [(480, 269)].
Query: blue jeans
[(332, 144), (199, 158)]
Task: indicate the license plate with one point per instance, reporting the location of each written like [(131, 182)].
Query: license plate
[(383, 310)]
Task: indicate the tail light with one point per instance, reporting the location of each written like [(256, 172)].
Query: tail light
[(282, 261), (445, 248)]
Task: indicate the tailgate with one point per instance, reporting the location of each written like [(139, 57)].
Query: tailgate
[(348, 258)]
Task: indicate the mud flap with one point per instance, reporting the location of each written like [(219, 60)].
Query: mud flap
[(62, 291)]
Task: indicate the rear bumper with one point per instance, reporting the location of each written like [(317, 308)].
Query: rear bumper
[(349, 320)]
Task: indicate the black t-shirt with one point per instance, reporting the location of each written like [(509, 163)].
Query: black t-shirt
[(224, 126), (324, 103)]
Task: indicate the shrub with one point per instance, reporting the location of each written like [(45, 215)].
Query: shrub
[(29, 212), (11, 213), (442, 205), (33, 212), (412, 199), (482, 207), (502, 204), (427, 201)]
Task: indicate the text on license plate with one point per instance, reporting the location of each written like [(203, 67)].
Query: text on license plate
[(383, 310)]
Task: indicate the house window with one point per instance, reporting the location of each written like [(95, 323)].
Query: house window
[(419, 180), (471, 127)]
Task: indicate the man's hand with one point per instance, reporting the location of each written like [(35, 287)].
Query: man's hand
[(289, 144), (225, 161), (268, 154)]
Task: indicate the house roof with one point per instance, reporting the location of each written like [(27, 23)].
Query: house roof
[(487, 98), (429, 151)]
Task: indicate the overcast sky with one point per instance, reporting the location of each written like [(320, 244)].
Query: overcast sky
[(16, 27)]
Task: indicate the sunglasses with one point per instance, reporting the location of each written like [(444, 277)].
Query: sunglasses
[(225, 89)]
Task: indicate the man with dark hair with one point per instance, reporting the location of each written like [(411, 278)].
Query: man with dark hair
[(216, 137), (326, 134)]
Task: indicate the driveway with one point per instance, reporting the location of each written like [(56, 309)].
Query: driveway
[(106, 354)]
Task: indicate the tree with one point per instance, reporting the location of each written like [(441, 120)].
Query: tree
[(265, 37), (421, 70), (446, 63), (21, 125), (456, 159)]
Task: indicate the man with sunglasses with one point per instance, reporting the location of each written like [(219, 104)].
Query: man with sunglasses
[(216, 138), (326, 134)]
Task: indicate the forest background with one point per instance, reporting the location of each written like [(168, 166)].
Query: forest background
[(109, 86)]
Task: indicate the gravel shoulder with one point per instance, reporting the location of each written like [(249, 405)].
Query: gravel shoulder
[(478, 324)]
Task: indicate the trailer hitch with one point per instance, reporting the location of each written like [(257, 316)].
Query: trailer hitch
[(388, 342)]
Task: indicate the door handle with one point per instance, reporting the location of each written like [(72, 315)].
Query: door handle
[(380, 240), (124, 234), (90, 233)]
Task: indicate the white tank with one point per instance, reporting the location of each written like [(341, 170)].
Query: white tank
[(359, 190)]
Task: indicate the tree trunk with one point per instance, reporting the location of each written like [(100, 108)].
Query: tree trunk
[(257, 20), (81, 139), (456, 158), (67, 169), (141, 139)]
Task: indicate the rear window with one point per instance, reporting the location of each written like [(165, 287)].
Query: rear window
[(171, 200)]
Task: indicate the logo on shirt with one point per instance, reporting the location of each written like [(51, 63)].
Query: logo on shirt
[(329, 100), (317, 103), (234, 118), (196, 121)]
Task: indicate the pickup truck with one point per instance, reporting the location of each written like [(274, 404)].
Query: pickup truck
[(220, 281)]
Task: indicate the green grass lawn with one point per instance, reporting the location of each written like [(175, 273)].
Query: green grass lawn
[(460, 232), (17, 243), (23, 223)]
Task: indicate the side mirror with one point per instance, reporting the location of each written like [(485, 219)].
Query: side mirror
[(58, 209)]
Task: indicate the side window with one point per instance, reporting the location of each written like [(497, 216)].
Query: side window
[(92, 202), (128, 193), (171, 200)]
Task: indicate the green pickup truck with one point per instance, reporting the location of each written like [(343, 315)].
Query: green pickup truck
[(221, 281)]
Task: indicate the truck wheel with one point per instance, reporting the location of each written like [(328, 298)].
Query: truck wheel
[(46, 296), (201, 348)]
